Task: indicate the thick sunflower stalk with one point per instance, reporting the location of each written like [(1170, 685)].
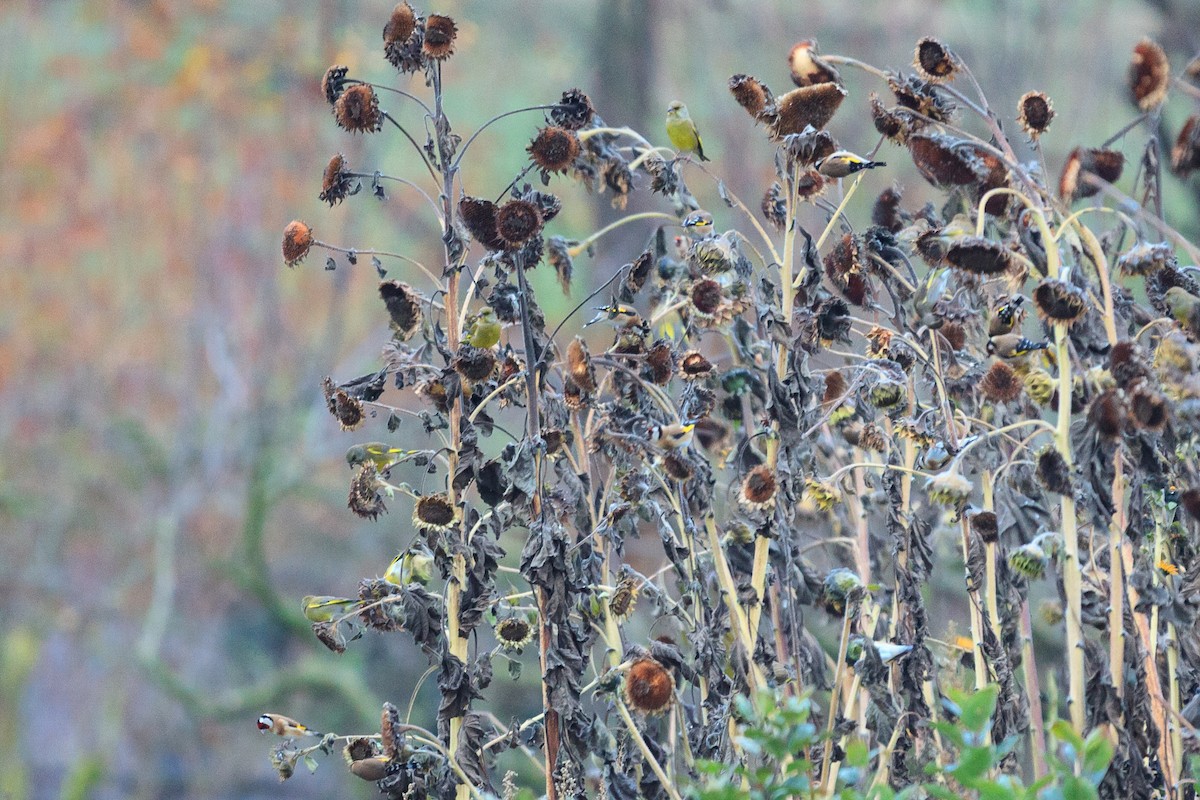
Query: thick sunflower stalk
[(790, 409)]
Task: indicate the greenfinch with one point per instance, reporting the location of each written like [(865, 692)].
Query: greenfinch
[(1185, 308), (682, 131), (483, 330), (414, 565), (1013, 345), (378, 453), (280, 725), (843, 163), (323, 608)]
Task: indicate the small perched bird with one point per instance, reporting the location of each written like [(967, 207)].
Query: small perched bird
[(323, 608), (622, 316), (682, 131), (673, 436), (378, 453), (843, 163), (280, 725), (934, 457), (1185, 308), (698, 223), (1007, 316), (1013, 345), (414, 565), (483, 329)]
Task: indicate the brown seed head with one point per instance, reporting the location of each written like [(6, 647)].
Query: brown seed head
[(1107, 414), (649, 687), (1104, 164), (1146, 258), (479, 216), (513, 633), (979, 256), (1185, 155), (695, 366), (774, 206), (809, 184), (380, 616), (336, 182), (759, 488), (954, 334), (1148, 408), (1149, 75), (1034, 113), (1053, 472), (807, 106), (678, 467), (935, 61), (329, 635), (660, 363), (751, 94), (357, 110), (886, 211), (707, 296), (517, 221), (1058, 302), (391, 733), (297, 241), (1001, 384), (1127, 364), (554, 149), (835, 387), (400, 24), (435, 513), (333, 81), (362, 747), (440, 32), (365, 499), (808, 68), (474, 364), (985, 526), (918, 95), (942, 160), (639, 271), (574, 110), (579, 365), (403, 306), (348, 410), (895, 126)]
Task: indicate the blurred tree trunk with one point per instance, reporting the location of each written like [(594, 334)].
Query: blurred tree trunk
[(624, 91)]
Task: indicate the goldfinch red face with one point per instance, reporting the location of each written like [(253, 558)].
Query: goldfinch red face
[(265, 723)]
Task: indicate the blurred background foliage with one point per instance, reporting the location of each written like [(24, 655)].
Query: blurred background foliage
[(170, 483)]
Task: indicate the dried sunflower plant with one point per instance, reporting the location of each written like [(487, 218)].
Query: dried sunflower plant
[(797, 422)]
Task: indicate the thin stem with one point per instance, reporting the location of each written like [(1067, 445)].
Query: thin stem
[(413, 142), (462, 151), (636, 735), (437, 211), (612, 226)]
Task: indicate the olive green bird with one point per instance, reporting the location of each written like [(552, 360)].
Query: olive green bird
[(483, 330), (414, 565), (324, 608), (378, 453), (682, 131), (1185, 308)]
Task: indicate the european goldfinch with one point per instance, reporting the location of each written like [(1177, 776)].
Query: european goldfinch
[(843, 163), (280, 725), (622, 316), (674, 435), (1013, 345), (1007, 316), (698, 223)]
